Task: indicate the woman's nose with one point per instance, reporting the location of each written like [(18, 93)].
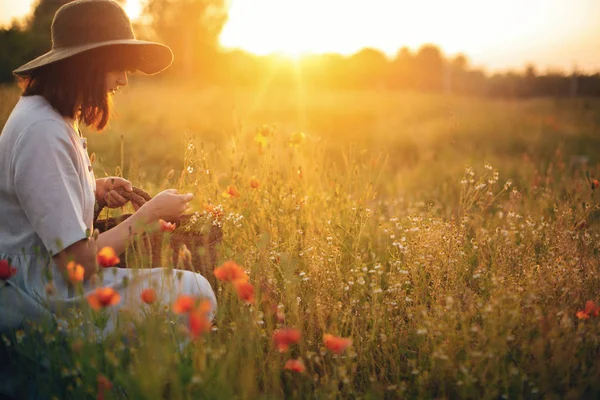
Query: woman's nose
[(122, 79)]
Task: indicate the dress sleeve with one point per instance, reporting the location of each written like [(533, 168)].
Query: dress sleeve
[(48, 186)]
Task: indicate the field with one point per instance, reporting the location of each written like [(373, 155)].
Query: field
[(453, 240)]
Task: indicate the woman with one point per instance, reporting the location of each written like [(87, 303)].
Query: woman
[(47, 186)]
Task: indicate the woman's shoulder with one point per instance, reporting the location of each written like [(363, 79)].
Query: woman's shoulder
[(33, 112), (32, 117)]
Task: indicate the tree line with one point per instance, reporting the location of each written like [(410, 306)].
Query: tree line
[(192, 27)]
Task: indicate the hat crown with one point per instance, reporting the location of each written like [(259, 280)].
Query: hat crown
[(84, 22)]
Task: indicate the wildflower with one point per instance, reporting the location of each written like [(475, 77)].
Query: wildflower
[(75, 272), (336, 344), (103, 297), (229, 272), (231, 191), (198, 320), (184, 304), (103, 384), (261, 140), (595, 184), (582, 315), (296, 139), (285, 337), (215, 211), (6, 270), (107, 257), (148, 296), (166, 226), (266, 130), (254, 183), (591, 308), (244, 289), (295, 365), (262, 135)]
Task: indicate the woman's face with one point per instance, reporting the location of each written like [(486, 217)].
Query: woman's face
[(114, 80)]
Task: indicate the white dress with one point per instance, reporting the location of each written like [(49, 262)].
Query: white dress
[(47, 201)]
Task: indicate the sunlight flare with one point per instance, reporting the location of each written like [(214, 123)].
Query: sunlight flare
[(492, 32), (133, 8)]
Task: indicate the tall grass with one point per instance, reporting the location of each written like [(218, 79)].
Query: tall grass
[(452, 239)]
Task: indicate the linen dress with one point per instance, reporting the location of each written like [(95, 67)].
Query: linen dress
[(47, 199)]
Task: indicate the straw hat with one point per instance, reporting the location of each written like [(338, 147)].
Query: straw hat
[(84, 25)]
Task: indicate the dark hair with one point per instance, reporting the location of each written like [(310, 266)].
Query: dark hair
[(76, 86)]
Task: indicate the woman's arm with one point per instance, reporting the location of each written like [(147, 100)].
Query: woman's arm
[(82, 252), (119, 237), (167, 205)]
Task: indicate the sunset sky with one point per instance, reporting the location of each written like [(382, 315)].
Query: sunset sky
[(497, 34)]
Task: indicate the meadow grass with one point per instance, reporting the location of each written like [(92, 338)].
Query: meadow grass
[(452, 239)]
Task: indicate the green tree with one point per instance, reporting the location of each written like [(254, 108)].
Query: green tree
[(20, 43), (191, 28), (369, 68), (429, 62), (39, 24)]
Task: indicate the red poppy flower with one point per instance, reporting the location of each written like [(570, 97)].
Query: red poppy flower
[(582, 315), (75, 272), (107, 257), (166, 226), (295, 365), (254, 183), (591, 308), (6, 270), (103, 297), (103, 384), (595, 184), (285, 337), (229, 272), (244, 289), (198, 320), (184, 304), (231, 191), (148, 296), (336, 344)]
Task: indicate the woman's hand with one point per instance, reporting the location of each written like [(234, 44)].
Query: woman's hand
[(167, 205), (105, 190)]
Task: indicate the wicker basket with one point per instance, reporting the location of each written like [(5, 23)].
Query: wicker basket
[(202, 246)]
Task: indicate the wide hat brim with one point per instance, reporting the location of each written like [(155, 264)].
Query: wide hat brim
[(150, 57)]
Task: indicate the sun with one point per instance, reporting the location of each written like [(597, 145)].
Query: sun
[(133, 8), (294, 28)]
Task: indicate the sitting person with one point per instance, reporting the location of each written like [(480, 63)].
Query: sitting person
[(47, 184)]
